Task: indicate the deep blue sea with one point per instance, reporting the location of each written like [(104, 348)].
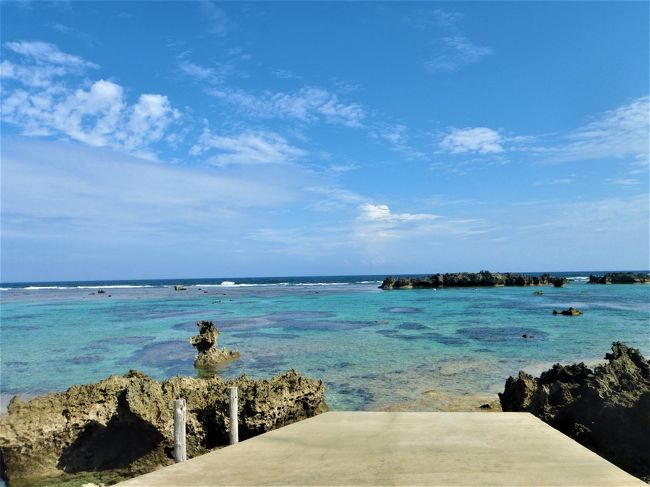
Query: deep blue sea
[(374, 349)]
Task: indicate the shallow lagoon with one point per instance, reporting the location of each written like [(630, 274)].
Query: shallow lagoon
[(374, 349)]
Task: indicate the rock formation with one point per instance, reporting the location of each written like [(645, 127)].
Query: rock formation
[(466, 279), (209, 356), (558, 281), (606, 409), (179, 287), (568, 312), (620, 278), (126, 422)]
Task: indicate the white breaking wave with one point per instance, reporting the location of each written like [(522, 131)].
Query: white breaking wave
[(321, 283), (40, 288), (578, 278), (5, 288), (117, 286), (234, 284)]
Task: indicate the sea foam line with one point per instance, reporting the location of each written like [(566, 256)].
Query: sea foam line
[(116, 286)]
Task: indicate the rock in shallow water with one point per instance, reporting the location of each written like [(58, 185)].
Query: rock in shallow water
[(209, 356), (127, 423), (606, 409)]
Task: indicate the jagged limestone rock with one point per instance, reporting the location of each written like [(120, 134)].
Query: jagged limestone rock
[(126, 422), (607, 409)]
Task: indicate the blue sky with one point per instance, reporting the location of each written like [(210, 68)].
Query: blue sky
[(200, 139)]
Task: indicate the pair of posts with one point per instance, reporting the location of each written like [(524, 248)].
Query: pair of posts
[(180, 418)]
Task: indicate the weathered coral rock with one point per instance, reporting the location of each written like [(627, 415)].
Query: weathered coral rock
[(127, 422), (209, 356), (568, 312), (620, 278), (606, 409), (558, 281), (179, 287), (465, 279)]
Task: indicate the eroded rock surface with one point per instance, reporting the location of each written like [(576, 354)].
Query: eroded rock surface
[(466, 279), (126, 422), (607, 409), (620, 278), (209, 356)]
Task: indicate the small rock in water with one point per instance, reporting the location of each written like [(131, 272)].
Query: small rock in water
[(486, 406), (568, 312), (206, 345)]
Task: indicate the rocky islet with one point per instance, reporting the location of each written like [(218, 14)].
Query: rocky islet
[(469, 279)]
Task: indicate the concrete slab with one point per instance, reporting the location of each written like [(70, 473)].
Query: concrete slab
[(375, 448)]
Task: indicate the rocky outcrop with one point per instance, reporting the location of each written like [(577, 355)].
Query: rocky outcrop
[(179, 287), (127, 422), (209, 356), (607, 409), (466, 279), (568, 312), (620, 278), (558, 281)]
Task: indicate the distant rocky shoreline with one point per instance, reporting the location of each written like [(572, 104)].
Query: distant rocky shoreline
[(470, 279), (620, 278), (497, 279)]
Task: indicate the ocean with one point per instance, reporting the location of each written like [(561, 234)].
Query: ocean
[(375, 350)]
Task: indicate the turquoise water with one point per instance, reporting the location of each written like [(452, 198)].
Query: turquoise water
[(374, 349)]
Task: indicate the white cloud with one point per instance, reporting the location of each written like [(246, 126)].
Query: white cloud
[(382, 213), (618, 133), (285, 74), (455, 51), (97, 114), (249, 147), (480, 140), (45, 53), (621, 133), (196, 71), (220, 23), (377, 227), (307, 105), (103, 195), (40, 64), (214, 75), (556, 181), (342, 168), (624, 181), (397, 137)]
